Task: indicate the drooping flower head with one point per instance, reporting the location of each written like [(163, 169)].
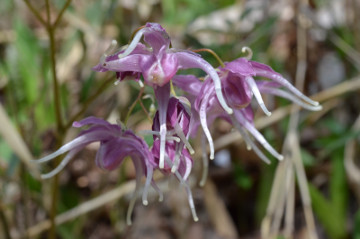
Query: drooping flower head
[(115, 145), (176, 151), (158, 63), (239, 87)]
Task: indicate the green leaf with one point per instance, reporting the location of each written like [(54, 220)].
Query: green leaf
[(357, 225), (307, 158), (27, 61), (263, 194), (326, 215), (338, 188)]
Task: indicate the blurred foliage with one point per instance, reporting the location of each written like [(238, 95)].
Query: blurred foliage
[(26, 92)]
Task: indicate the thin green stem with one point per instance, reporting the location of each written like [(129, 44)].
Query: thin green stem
[(47, 5), (35, 12), (57, 101), (59, 122), (61, 13), (212, 53), (145, 111), (133, 105), (100, 90), (56, 90)]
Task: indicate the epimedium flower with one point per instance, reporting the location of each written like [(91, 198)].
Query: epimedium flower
[(239, 87), (115, 145), (237, 77), (158, 64), (176, 151)]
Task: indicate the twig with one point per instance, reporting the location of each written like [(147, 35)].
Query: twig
[(59, 17), (217, 57), (35, 12), (133, 105), (47, 7)]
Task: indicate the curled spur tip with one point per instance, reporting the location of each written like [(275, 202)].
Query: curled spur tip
[(247, 50)]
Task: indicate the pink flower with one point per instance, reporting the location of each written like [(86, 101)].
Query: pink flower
[(239, 86), (158, 64), (115, 145)]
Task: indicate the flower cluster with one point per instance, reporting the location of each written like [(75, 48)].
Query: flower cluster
[(225, 92)]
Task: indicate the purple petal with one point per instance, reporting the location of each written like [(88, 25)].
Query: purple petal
[(236, 91), (159, 69), (262, 67), (90, 120), (110, 155), (156, 36), (187, 60), (240, 66), (188, 83), (127, 63)]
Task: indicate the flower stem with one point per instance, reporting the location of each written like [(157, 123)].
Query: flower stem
[(138, 99), (59, 17), (35, 12), (59, 121), (212, 53)]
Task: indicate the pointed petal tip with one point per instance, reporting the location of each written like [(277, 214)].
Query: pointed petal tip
[(263, 107), (318, 108), (230, 111), (315, 103), (76, 124), (37, 161), (44, 176)]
